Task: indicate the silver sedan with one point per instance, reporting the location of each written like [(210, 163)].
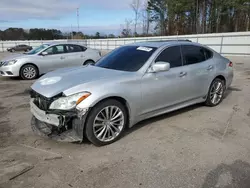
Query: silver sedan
[(130, 84), (46, 58)]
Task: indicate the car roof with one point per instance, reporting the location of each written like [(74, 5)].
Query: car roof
[(158, 44), (63, 42)]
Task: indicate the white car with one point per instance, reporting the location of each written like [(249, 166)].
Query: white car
[(46, 58)]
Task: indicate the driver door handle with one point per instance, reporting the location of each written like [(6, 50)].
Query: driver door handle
[(62, 57), (210, 67), (183, 74)]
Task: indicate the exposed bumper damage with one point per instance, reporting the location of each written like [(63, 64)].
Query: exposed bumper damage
[(64, 126)]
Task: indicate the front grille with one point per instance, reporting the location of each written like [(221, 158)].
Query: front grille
[(40, 101)]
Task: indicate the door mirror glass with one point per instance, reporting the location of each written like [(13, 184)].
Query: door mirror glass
[(159, 67), (44, 53)]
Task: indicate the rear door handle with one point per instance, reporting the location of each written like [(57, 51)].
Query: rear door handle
[(183, 74), (210, 67), (62, 57), (82, 55)]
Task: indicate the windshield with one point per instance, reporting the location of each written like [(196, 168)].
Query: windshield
[(38, 49), (126, 58)]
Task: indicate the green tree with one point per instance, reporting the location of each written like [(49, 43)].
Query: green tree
[(199, 16), (111, 36), (97, 35)]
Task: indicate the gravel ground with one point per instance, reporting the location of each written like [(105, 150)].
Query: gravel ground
[(194, 147)]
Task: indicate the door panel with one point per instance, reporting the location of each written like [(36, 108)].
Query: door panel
[(50, 62), (163, 89), (200, 76), (55, 59), (200, 70), (75, 55)]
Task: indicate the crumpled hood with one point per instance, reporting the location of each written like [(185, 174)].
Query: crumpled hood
[(60, 80)]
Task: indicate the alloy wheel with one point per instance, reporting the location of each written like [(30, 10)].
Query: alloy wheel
[(108, 123), (29, 72), (216, 92)]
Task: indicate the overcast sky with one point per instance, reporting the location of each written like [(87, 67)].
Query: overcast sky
[(94, 15)]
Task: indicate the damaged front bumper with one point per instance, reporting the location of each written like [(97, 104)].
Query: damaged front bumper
[(65, 126)]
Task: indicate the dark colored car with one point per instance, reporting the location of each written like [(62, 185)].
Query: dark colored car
[(21, 47)]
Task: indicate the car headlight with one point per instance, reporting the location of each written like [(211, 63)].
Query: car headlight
[(69, 102), (11, 62)]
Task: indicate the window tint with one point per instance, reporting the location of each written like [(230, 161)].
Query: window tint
[(59, 49), (171, 55), (126, 58), (208, 53), (193, 54), (74, 48), (38, 49)]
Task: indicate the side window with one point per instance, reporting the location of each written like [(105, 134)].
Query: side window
[(59, 49), (74, 48), (193, 54), (83, 48), (171, 55), (208, 53)]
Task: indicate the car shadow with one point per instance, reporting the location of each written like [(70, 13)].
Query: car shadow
[(229, 176), (150, 121), (174, 113)]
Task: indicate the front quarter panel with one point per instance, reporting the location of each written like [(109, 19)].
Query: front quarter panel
[(127, 88)]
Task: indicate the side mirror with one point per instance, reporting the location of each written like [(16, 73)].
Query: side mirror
[(44, 53), (159, 67)]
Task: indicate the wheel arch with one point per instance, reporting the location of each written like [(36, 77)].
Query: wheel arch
[(88, 60), (29, 64), (120, 99), (221, 77)]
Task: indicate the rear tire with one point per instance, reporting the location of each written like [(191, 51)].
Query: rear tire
[(216, 92), (29, 72), (109, 130)]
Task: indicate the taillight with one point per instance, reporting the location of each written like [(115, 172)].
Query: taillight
[(230, 64)]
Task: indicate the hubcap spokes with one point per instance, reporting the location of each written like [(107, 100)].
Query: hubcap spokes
[(216, 92), (108, 123), (29, 72)]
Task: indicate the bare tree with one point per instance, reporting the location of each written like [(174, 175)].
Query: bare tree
[(145, 16), (135, 5), (126, 30)]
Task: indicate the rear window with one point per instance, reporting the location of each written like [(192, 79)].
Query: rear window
[(127, 58), (208, 53), (74, 48), (193, 54)]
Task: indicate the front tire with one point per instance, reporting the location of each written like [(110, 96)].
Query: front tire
[(106, 122), (215, 93), (29, 72)]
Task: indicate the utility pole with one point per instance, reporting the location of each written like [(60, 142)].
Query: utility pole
[(71, 32), (77, 19)]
